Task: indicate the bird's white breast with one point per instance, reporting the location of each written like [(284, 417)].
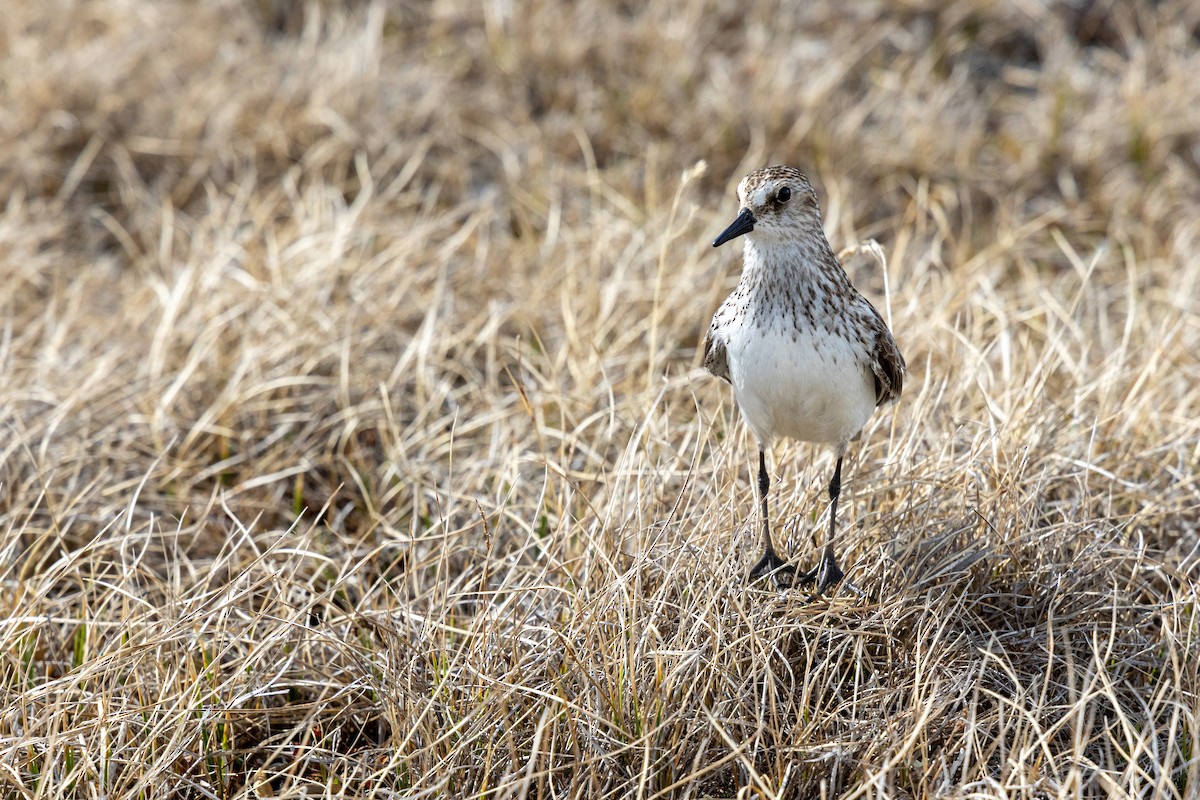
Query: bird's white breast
[(806, 384)]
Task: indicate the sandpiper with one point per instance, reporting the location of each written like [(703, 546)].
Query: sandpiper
[(809, 357)]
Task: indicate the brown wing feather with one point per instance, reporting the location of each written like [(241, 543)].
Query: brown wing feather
[(888, 365), (714, 356)]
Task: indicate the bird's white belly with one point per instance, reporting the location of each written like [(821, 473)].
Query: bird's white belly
[(801, 387)]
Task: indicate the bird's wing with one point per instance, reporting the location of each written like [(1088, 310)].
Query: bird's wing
[(888, 366), (714, 355)]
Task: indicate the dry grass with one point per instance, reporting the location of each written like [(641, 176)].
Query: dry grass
[(353, 441)]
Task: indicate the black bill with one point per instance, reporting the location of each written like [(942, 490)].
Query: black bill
[(743, 224)]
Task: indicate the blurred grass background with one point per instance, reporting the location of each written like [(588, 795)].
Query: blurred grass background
[(353, 441)]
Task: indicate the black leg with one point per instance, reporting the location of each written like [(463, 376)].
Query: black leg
[(770, 563), (764, 488), (828, 573)]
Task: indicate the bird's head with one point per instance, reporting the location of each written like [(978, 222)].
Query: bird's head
[(778, 203)]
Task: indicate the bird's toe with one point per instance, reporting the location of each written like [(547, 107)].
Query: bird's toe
[(771, 564), (784, 577), (827, 575)]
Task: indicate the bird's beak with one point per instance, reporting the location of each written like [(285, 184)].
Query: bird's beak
[(743, 224)]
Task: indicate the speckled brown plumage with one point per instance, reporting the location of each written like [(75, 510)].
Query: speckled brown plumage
[(809, 357)]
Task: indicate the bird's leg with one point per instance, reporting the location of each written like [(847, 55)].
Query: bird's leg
[(770, 563), (828, 573)]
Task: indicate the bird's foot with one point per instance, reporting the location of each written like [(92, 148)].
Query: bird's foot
[(824, 575), (783, 573)]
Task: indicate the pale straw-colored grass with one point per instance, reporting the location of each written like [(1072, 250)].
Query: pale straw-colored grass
[(353, 440)]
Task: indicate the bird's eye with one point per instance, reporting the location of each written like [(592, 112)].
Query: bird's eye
[(784, 195)]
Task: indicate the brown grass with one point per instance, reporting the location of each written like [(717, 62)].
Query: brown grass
[(353, 440)]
